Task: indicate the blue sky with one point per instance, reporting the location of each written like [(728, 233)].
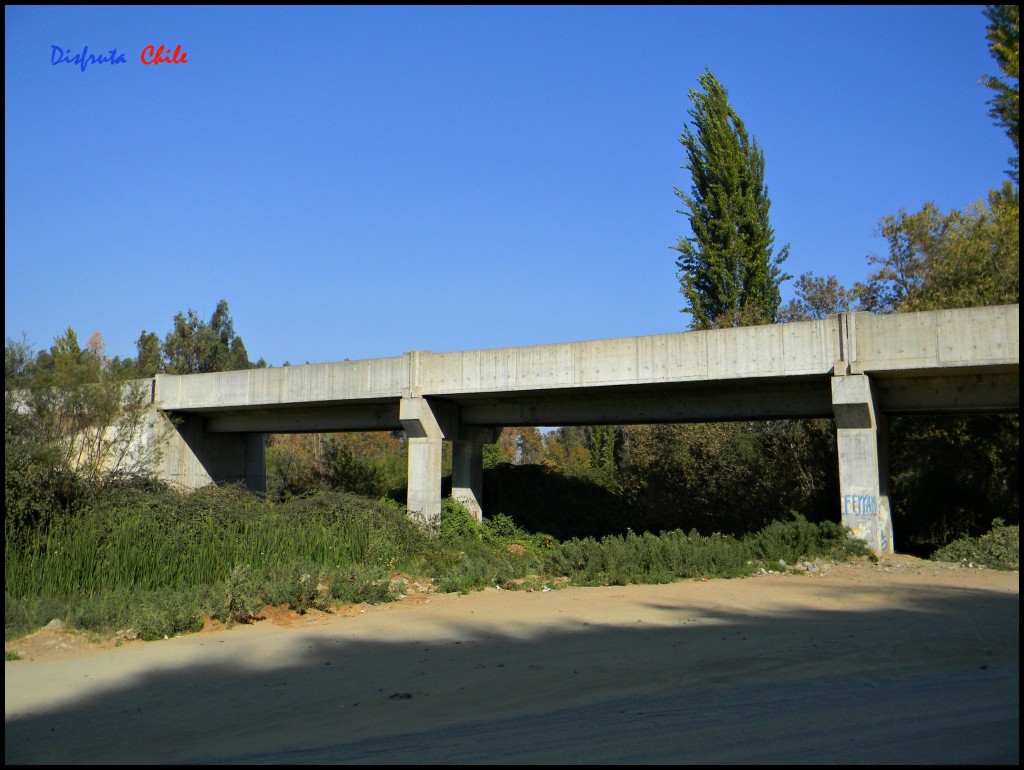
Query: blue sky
[(361, 182)]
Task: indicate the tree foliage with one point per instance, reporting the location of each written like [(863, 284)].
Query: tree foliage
[(521, 445), (729, 477), (938, 261), (565, 449), (371, 464), (72, 424), (816, 298), (75, 420), (1004, 45), (727, 271), (194, 346)]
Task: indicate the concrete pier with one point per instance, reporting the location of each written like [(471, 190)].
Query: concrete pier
[(862, 438)]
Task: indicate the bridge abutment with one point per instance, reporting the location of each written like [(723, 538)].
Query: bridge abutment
[(862, 440), (192, 458)]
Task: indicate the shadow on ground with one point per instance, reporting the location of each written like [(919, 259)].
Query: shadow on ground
[(933, 681)]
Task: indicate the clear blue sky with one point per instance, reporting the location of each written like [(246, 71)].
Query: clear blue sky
[(361, 182)]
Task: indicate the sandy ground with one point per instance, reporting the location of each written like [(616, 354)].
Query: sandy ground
[(900, 662)]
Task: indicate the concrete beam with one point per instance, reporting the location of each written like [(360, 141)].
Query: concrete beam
[(746, 400), (356, 416), (954, 393)]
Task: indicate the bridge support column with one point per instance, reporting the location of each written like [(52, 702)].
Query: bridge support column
[(862, 439), (427, 423), (468, 466), (191, 458)]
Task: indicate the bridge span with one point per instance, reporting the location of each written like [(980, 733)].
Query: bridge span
[(856, 368)]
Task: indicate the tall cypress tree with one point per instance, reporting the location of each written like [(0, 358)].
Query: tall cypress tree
[(727, 272)]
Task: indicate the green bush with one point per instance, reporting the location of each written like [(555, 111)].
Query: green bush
[(154, 560), (358, 585), (300, 585), (998, 549), (475, 565), (24, 615), (106, 611), (676, 555), (244, 597), (501, 532), (157, 539), (646, 558), (166, 613), (798, 539), (457, 523)]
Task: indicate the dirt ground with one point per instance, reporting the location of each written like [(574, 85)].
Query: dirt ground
[(904, 661)]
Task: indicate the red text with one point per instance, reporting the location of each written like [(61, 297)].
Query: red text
[(153, 55)]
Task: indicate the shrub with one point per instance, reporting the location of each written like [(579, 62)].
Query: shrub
[(797, 539), (457, 523), (300, 585), (998, 549), (673, 555), (244, 596), (160, 614), (24, 615), (360, 585)]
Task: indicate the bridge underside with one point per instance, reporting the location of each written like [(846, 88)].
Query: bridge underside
[(942, 392), (226, 445)]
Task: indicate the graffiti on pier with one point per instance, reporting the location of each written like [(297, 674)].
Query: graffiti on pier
[(860, 504)]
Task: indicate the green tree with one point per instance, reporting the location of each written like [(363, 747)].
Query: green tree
[(731, 477), (601, 441), (372, 463), (149, 359), (816, 298), (727, 271), (938, 261), (1004, 45), (565, 449), (72, 424), (194, 346)]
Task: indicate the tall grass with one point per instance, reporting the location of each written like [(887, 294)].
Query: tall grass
[(147, 543), (156, 561)]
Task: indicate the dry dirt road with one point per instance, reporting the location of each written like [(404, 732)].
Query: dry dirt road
[(900, 662)]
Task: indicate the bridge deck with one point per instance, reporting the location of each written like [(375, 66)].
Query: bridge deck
[(964, 360)]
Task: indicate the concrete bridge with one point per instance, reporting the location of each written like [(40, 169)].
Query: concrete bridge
[(854, 367)]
